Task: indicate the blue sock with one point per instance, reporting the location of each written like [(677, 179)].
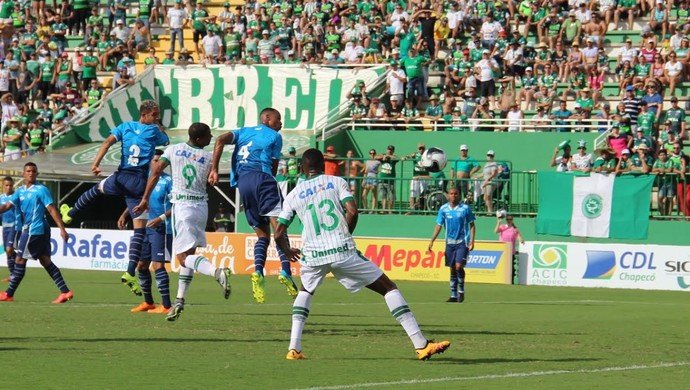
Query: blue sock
[(132, 265), (453, 283), (163, 282), (16, 278), (10, 263), (135, 244), (461, 280), (260, 251), (284, 262), (84, 200), (145, 283), (55, 273)]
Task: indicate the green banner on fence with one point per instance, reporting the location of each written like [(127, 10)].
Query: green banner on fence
[(228, 97)]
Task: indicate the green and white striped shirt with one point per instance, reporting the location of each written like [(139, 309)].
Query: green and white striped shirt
[(318, 203)]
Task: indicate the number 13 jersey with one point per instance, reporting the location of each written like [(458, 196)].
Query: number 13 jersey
[(319, 204), (190, 167)]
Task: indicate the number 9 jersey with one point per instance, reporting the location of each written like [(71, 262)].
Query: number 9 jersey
[(318, 202), (190, 167)]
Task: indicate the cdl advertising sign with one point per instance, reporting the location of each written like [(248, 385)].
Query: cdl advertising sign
[(650, 267)]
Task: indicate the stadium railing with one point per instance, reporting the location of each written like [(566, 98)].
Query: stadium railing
[(497, 125)]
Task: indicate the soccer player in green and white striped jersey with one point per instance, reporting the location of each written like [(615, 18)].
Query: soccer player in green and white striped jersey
[(328, 213), (190, 166)]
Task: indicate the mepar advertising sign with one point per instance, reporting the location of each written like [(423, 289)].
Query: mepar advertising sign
[(650, 267)]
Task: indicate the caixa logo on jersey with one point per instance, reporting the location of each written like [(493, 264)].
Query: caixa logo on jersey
[(483, 259), (636, 267), (681, 270)]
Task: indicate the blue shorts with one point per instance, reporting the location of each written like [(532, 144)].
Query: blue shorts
[(456, 254), (131, 185), (157, 245), (260, 196), (667, 190), (8, 237), (33, 246)]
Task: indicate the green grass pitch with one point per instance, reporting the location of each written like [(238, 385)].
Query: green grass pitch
[(522, 337)]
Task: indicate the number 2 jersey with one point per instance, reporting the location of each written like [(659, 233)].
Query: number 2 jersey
[(255, 149), (319, 204), (190, 167), (139, 143)]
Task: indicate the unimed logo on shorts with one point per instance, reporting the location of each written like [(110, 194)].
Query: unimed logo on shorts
[(484, 259)]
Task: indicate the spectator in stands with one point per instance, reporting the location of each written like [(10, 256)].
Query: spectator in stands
[(667, 170), (354, 168), (177, 21), (463, 169), (683, 187), (413, 68), (485, 69), (618, 140), (673, 73), (387, 174), (211, 47), (333, 164), (641, 161), (654, 100), (11, 136), (581, 161), (658, 18), (646, 120), (626, 8), (577, 80), (571, 28), (509, 233), (94, 94), (139, 37), (396, 79), (434, 111), (632, 103), (4, 79), (561, 116), (562, 162), (606, 162), (575, 58), (371, 172), (623, 165), (528, 87), (420, 177), (485, 116), (121, 78), (676, 116), (488, 185), (410, 115)]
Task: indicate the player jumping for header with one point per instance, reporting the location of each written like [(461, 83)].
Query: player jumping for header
[(254, 165)]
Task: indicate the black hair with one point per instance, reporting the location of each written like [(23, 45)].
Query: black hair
[(198, 130), (8, 178), (158, 152), (313, 159), (31, 164)]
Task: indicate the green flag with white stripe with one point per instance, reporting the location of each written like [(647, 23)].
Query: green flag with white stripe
[(595, 205)]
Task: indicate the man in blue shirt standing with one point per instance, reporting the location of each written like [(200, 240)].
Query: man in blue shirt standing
[(139, 141), (32, 201), (157, 245), (459, 223), (8, 223), (254, 166)]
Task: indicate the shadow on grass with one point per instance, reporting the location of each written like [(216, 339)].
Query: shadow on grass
[(359, 329), (130, 340)]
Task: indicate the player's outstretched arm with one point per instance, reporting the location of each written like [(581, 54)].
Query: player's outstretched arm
[(225, 139), (282, 241), (351, 215), (110, 141), (58, 221), (150, 184)]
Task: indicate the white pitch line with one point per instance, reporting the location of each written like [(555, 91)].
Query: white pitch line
[(499, 376)]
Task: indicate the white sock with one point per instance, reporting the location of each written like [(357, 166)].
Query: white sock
[(300, 312), (398, 307), (200, 264), (186, 275)]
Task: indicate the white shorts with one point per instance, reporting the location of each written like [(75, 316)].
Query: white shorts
[(353, 273), (417, 186), (190, 226)]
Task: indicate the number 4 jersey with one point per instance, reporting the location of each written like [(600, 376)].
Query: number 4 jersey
[(255, 149), (190, 167), (319, 203)]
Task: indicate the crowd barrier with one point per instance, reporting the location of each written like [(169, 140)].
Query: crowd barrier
[(401, 259)]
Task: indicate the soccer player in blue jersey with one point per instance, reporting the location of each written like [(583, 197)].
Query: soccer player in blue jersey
[(139, 141), (458, 220), (8, 224), (254, 166), (157, 244), (32, 201)]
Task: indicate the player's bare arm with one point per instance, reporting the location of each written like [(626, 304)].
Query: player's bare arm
[(472, 234), (122, 221), (159, 219), (156, 172), (437, 230), (95, 167), (282, 241), (58, 221), (225, 139), (351, 215)]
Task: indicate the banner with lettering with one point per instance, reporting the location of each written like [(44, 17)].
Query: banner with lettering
[(228, 97)]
